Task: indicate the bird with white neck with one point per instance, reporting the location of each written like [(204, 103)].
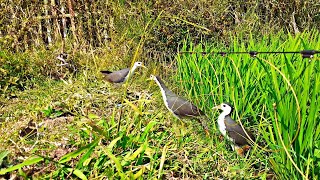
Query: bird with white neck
[(241, 139), (178, 106), (122, 75)]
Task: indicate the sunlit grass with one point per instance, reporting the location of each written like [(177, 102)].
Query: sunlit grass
[(104, 133), (80, 135), (276, 95)]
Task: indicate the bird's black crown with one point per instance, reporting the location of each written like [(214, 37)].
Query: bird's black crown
[(232, 108)]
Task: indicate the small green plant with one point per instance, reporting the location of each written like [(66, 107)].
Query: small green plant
[(52, 113)]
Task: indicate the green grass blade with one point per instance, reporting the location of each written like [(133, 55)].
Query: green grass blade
[(78, 173), (76, 153), (27, 162)]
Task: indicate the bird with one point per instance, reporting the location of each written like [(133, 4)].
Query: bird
[(122, 75), (241, 138), (178, 106)]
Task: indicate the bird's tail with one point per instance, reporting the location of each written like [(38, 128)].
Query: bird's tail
[(105, 72)]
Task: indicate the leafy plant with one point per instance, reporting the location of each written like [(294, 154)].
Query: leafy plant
[(276, 94), (52, 113)]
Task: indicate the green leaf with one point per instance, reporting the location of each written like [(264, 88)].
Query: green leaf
[(78, 173), (113, 142), (76, 153), (139, 173), (138, 151), (147, 129), (22, 173), (48, 112), (163, 158), (29, 161), (97, 129), (134, 107), (87, 161), (3, 154), (131, 157), (317, 153), (117, 162), (87, 155), (93, 116)]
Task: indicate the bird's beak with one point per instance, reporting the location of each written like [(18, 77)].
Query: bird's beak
[(217, 107), (144, 66), (149, 79)]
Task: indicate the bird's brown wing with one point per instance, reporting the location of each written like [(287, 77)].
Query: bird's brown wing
[(236, 132), (183, 108), (117, 76)]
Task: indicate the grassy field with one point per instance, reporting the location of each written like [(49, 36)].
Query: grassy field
[(90, 129), (65, 122)]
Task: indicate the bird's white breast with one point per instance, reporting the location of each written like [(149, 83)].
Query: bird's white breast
[(221, 125), (130, 73), (163, 93), (164, 97)]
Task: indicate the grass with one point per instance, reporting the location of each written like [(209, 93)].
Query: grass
[(89, 129), (276, 95), (79, 134)]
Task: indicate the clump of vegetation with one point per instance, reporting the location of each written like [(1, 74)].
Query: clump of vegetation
[(276, 94)]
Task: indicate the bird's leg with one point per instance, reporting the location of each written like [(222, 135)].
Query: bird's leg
[(204, 125), (239, 150), (221, 137), (246, 148)]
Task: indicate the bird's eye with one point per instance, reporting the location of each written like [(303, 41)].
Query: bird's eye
[(224, 105)]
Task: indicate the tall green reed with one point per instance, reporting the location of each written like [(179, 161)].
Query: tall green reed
[(276, 94)]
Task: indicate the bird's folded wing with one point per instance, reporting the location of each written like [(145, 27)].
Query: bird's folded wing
[(236, 132), (118, 76), (182, 107)]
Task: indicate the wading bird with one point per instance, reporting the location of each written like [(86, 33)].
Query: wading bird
[(241, 138), (178, 106), (122, 75)]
